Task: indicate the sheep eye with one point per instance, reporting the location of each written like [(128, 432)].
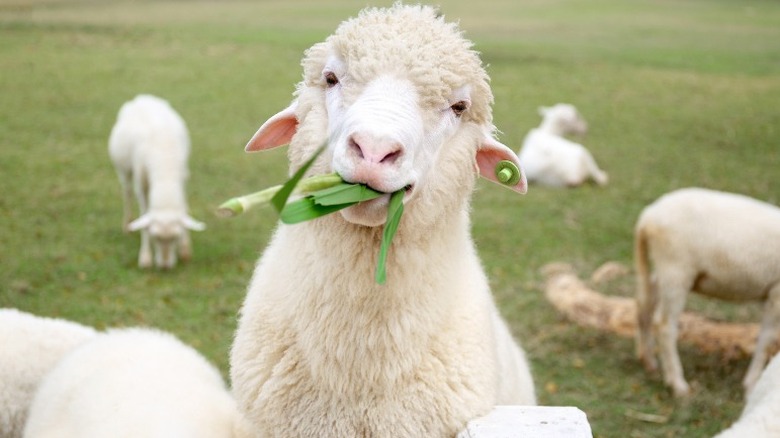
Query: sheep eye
[(459, 107), (331, 79)]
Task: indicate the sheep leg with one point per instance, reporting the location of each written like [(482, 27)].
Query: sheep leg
[(127, 198), (647, 301), (185, 246), (145, 254), (594, 171), (673, 292), (767, 336)]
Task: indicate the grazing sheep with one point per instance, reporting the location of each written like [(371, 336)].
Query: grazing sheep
[(552, 160), (761, 416), (321, 349), (134, 383), (30, 346), (718, 244), (149, 147)]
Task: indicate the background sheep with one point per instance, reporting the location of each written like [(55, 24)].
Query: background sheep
[(134, 383), (761, 416), (717, 244), (29, 347), (321, 349), (550, 159), (150, 146)]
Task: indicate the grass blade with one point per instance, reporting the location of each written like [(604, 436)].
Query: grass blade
[(280, 198), (394, 211)]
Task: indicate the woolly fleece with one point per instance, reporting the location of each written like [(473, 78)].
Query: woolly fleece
[(30, 346), (130, 383)]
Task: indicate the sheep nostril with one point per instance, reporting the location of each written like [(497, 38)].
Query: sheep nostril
[(355, 147), (373, 150), (391, 157)]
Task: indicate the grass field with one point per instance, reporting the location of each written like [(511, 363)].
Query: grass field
[(677, 93)]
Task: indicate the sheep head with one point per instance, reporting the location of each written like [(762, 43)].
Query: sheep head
[(166, 230), (403, 102), (563, 119)]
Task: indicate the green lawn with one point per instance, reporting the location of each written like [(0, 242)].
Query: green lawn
[(677, 93)]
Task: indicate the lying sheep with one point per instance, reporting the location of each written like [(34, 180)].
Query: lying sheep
[(717, 244), (550, 159), (321, 349), (150, 146), (30, 346), (134, 383), (761, 416)]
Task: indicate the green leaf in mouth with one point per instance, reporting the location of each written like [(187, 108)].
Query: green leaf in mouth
[(280, 198), (394, 211)]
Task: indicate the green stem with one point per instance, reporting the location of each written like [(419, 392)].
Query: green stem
[(240, 204)]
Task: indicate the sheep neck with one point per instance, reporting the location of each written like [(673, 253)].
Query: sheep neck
[(167, 195), (551, 126), (377, 321)]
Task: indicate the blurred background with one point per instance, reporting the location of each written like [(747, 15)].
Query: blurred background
[(676, 93)]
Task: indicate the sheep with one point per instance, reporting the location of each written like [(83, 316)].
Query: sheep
[(551, 159), (134, 382), (29, 347), (320, 348), (149, 147), (718, 244), (759, 418)]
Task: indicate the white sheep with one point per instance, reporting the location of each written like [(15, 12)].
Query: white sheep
[(30, 346), (717, 244), (321, 349), (134, 383), (761, 416), (150, 146), (551, 159)]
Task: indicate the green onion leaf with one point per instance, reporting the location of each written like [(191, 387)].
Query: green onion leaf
[(394, 211), (305, 209), (344, 193), (280, 198)]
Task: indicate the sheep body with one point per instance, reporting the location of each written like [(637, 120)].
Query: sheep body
[(761, 416), (551, 159), (149, 147), (133, 383), (30, 347), (714, 243), (321, 349)]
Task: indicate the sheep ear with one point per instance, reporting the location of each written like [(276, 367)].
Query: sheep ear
[(140, 223), (276, 131), (489, 154), (192, 224)]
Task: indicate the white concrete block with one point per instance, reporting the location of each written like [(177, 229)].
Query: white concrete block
[(530, 421)]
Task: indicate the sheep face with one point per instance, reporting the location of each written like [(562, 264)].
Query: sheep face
[(169, 236), (396, 93), (564, 119), (384, 138)]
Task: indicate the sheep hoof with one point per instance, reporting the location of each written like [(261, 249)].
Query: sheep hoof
[(681, 390)]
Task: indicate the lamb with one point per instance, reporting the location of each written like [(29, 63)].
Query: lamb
[(150, 146), (323, 350), (759, 418), (718, 244), (551, 159), (134, 382), (30, 346)]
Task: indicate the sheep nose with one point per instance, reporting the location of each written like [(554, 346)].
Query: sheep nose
[(375, 150)]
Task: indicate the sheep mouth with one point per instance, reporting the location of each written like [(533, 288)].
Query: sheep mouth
[(408, 190), (373, 213)]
